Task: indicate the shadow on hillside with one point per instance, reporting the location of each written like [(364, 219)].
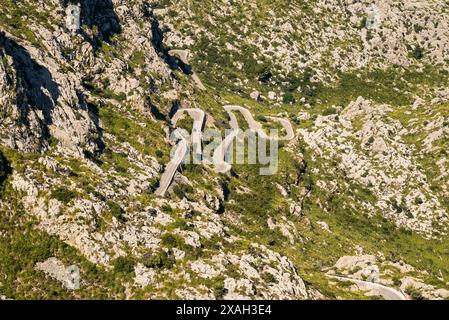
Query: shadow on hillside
[(99, 15), (35, 87), (5, 170), (158, 43)]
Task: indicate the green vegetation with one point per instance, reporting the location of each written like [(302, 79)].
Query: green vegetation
[(127, 126), (185, 123), (393, 86), (317, 187), (414, 293), (115, 210), (22, 245), (123, 265), (329, 111), (18, 17), (64, 195), (289, 98), (183, 190), (171, 240), (137, 59), (418, 53), (219, 288), (268, 277), (159, 260)]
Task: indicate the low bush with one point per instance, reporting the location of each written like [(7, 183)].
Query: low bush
[(329, 111), (171, 240), (115, 210), (159, 260), (182, 190), (418, 53), (414, 293), (123, 265), (64, 195), (288, 98)]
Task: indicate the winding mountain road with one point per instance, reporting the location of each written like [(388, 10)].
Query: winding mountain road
[(375, 288), (181, 150), (221, 166), (287, 126), (219, 155), (170, 170), (184, 56), (198, 117), (257, 127), (252, 124)]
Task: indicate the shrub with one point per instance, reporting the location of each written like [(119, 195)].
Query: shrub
[(268, 277), (219, 288), (418, 28), (329, 111), (154, 184), (363, 23), (166, 208), (53, 141), (137, 59), (289, 98), (398, 207), (264, 73), (160, 260), (182, 190), (413, 293), (64, 195), (418, 201), (4, 61), (115, 210), (261, 118), (159, 154), (171, 240), (418, 53), (123, 265)]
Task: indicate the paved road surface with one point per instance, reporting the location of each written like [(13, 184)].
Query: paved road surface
[(375, 289), (219, 161), (252, 124), (287, 126), (198, 116), (257, 127), (172, 166), (221, 166), (184, 56)]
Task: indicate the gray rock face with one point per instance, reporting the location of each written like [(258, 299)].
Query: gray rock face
[(99, 14), (39, 103), (255, 95), (401, 188), (55, 269), (73, 18)]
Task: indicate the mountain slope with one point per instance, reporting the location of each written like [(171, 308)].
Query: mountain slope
[(85, 138)]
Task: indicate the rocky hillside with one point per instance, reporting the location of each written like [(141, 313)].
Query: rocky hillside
[(84, 140)]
